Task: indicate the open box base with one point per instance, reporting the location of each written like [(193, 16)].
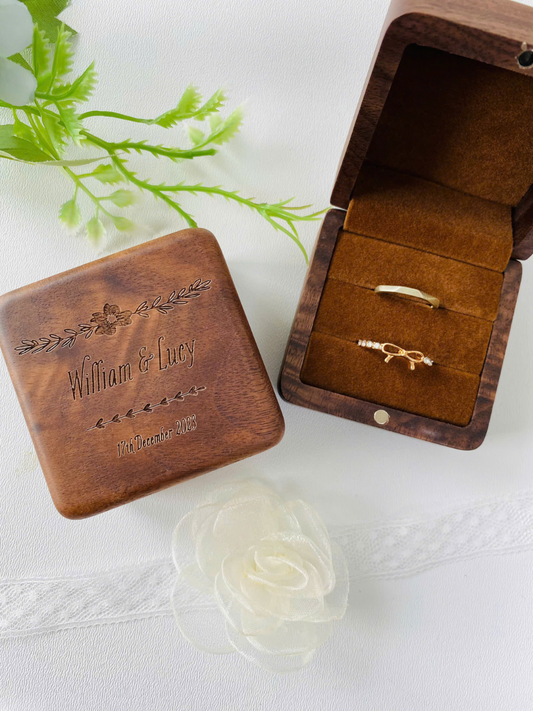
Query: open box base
[(438, 161), (294, 390)]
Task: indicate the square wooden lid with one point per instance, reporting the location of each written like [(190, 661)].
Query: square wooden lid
[(137, 371)]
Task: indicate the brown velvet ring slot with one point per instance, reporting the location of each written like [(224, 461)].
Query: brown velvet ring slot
[(451, 339), (437, 392), (407, 210), (461, 287)]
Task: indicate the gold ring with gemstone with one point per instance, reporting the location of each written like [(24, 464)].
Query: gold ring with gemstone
[(408, 291), (392, 351)]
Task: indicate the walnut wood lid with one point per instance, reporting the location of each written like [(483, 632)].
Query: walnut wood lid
[(137, 371), (447, 100)]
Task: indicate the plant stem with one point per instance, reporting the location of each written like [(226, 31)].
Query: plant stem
[(114, 114), (78, 183), (273, 213), (26, 109), (40, 121), (134, 119), (155, 150), (144, 185), (267, 211), (42, 136)]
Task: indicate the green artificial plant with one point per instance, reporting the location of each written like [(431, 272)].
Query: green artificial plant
[(43, 128)]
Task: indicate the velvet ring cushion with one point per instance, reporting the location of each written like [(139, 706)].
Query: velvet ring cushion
[(457, 343), (451, 339), (405, 209), (460, 287), (455, 336), (440, 393)]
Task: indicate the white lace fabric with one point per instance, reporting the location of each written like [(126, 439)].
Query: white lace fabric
[(408, 547), (381, 550)]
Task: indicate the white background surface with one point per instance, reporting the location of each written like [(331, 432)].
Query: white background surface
[(458, 637)]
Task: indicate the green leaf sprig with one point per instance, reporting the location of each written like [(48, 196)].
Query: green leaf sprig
[(42, 131)]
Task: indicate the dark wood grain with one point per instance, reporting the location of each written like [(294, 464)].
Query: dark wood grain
[(289, 380), (490, 31), (137, 371), (523, 227), (295, 391)]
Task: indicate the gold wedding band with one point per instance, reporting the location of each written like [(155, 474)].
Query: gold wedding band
[(407, 291)]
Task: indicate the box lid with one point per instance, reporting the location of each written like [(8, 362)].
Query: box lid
[(448, 99), (136, 371)]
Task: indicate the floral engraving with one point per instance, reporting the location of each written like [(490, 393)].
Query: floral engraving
[(105, 322), (111, 317), (149, 407)]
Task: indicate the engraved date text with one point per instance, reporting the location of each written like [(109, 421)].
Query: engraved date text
[(138, 442)]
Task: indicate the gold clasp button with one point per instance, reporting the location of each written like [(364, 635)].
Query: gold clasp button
[(382, 417)]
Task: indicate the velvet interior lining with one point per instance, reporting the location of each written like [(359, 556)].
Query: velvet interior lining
[(407, 210), (461, 287), (447, 337), (437, 392), (459, 123), (451, 156)]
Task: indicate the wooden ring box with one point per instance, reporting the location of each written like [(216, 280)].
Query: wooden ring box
[(434, 192), (137, 371)]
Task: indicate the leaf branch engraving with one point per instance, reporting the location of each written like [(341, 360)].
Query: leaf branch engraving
[(131, 414), (181, 297), (107, 321)]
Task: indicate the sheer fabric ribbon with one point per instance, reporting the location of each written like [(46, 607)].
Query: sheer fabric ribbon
[(380, 550)]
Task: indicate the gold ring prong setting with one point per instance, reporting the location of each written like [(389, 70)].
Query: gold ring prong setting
[(392, 351)]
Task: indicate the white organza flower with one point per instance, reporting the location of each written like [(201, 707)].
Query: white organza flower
[(17, 85), (272, 583)]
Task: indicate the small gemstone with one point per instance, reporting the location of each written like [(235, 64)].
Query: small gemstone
[(376, 345), (359, 343), (363, 344)]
